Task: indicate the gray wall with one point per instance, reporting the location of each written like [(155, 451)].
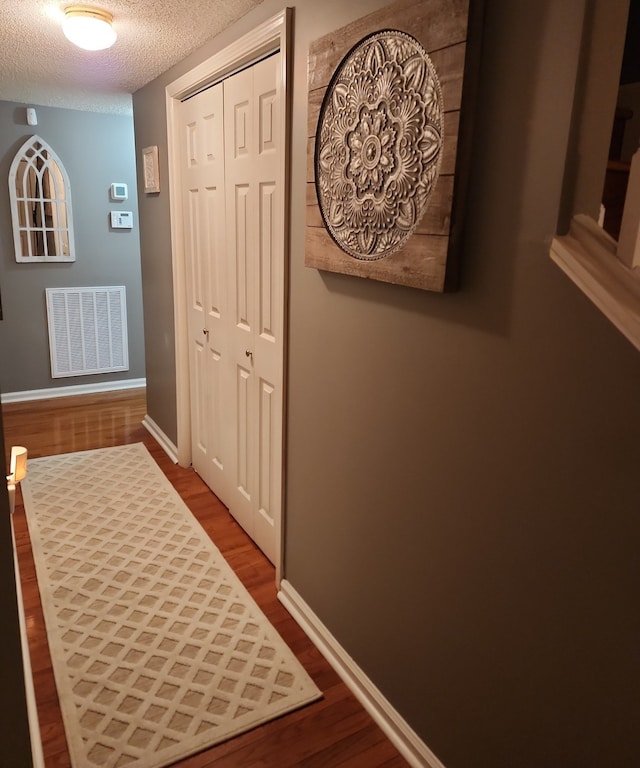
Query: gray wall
[(462, 477), (96, 149), (157, 275)]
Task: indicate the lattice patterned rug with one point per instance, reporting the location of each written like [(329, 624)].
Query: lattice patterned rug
[(158, 650)]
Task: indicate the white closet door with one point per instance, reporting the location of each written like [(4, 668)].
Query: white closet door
[(256, 293), (233, 212), (203, 198)]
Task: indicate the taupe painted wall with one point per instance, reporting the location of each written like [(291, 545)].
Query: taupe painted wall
[(462, 474), (96, 149)]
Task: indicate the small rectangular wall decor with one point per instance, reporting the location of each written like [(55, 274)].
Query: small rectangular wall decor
[(385, 97), (150, 169)]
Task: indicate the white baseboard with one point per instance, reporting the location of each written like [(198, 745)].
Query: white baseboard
[(169, 448), (397, 730), (74, 389)]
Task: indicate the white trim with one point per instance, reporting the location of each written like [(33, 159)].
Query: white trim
[(271, 36), (397, 730), (35, 735), (261, 41), (183, 405), (588, 256), (159, 436), (74, 389)]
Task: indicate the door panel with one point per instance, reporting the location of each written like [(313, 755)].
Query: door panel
[(243, 441), (267, 445), (240, 242), (201, 120), (254, 202), (267, 267), (214, 243), (269, 341)]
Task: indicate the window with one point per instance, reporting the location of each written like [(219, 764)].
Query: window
[(40, 204)]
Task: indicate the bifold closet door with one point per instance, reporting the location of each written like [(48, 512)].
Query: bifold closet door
[(204, 222), (233, 210), (255, 249)]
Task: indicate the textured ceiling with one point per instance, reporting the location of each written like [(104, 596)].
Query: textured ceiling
[(38, 65)]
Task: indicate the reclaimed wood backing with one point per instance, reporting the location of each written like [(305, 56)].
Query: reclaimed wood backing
[(441, 26)]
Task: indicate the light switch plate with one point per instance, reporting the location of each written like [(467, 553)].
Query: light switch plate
[(121, 219)]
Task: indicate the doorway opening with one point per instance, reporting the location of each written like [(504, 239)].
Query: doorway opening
[(271, 37)]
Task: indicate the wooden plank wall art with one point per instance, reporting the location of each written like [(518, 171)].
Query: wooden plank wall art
[(385, 95)]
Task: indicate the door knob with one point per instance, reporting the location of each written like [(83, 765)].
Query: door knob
[(205, 331), (249, 354)]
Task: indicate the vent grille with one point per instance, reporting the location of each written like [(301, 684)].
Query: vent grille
[(87, 330)]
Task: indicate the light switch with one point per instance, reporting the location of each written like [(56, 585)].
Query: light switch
[(121, 219)]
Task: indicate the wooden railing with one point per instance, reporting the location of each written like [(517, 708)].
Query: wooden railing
[(629, 240)]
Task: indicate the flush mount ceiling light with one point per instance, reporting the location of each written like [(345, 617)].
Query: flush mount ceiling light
[(88, 28)]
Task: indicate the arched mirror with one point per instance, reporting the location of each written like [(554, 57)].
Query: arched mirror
[(40, 204)]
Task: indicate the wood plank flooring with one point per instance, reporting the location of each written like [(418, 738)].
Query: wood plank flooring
[(333, 732)]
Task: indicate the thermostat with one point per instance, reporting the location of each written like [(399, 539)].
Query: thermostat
[(121, 219), (119, 191)]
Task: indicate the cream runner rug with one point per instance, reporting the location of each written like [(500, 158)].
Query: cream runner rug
[(158, 650)]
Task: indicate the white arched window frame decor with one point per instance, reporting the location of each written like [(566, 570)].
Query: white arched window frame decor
[(41, 212)]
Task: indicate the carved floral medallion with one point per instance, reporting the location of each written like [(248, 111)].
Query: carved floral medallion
[(378, 144)]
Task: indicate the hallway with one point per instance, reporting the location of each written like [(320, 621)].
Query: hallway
[(335, 731)]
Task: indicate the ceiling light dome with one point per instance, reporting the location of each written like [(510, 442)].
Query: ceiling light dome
[(88, 28)]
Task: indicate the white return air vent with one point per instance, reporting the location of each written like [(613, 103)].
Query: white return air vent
[(87, 330)]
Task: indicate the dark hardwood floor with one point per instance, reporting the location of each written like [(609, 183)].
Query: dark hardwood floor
[(335, 731)]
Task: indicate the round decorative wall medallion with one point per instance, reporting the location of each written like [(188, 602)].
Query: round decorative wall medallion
[(378, 144)]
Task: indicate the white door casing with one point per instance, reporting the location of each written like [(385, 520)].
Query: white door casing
[(273, 35)]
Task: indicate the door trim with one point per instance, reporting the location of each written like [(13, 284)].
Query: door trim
[(271, 36)]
